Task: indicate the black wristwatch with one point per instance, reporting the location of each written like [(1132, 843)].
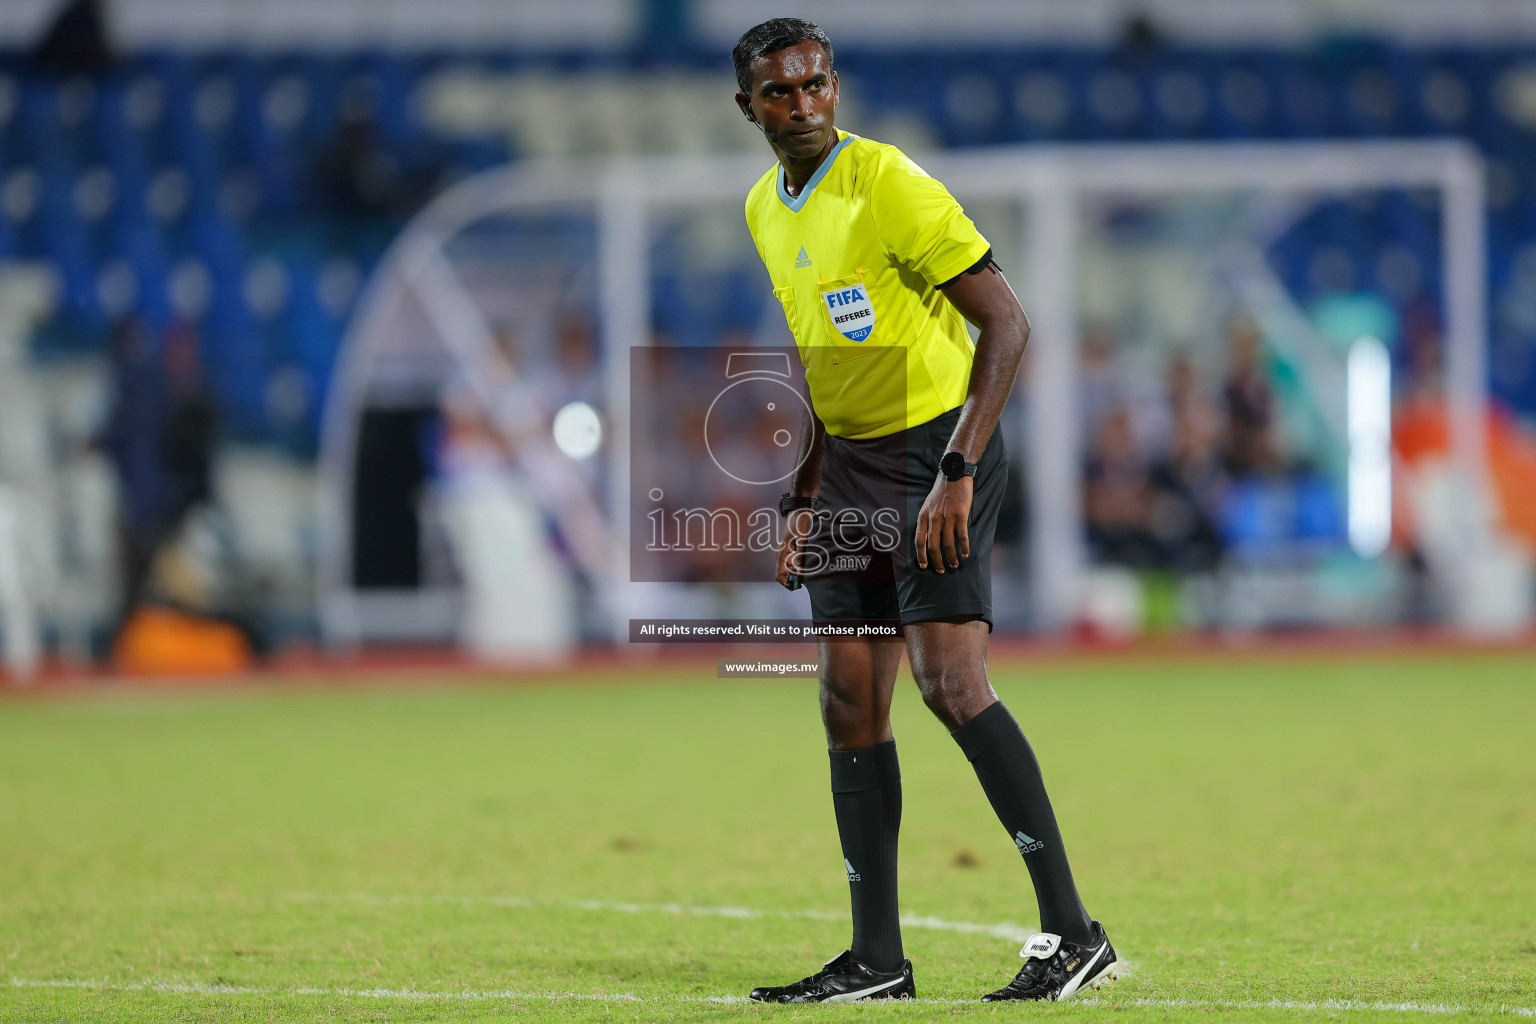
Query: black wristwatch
[(793, 502), (954, 466)]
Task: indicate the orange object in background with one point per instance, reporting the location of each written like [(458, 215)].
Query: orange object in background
[(1422, 430), (162, 641), (1512, 464)]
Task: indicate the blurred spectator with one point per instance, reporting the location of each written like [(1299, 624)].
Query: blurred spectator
[(1098, 381), (159, 437), (1250, 403), (574, 374), (1158, 505), (1423, 374), (1139, 37), (1188, 483), (361, 184), (1186, 392), (356, 178), (75, 42), (1117, 496), (471, 440), (190, 421)]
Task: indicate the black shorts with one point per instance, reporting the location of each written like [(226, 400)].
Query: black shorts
[(864, 555)]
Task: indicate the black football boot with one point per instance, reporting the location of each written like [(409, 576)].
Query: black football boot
[(843, 980), (1055, 969)]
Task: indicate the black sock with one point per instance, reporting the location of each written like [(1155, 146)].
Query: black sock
[(866, 794), (1010, 775)]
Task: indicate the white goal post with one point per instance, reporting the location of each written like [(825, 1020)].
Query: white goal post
[(1049, 183)]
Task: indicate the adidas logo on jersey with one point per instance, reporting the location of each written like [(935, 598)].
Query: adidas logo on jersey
[(853, 876), (801, 259), (1026, 844)]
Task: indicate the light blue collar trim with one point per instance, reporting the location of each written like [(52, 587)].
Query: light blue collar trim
[(796, 202)]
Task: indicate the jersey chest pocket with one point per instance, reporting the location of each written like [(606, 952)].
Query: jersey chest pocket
[(850, 314), (786, 297)]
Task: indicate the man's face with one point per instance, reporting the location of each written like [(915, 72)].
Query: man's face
[(792, 99)]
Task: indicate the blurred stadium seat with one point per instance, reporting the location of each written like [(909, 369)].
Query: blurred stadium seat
[(175, 155)]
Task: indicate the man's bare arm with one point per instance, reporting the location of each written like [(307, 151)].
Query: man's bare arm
[(807, 479), (804, 484), (942, 537), (986, 300)]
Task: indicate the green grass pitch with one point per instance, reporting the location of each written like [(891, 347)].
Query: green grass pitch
[(1266, 838)]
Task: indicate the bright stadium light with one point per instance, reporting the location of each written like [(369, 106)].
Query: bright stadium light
[(1369, 398), (578, 430)]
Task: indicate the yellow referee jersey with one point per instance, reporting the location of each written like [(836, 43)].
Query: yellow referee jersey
[(855, 259)]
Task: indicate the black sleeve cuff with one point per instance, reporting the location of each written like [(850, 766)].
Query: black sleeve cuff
[(974, 268)]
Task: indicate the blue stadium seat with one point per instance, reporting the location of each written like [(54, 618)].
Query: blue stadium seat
[(1256, 517), (313, 338), (235, 363), (1319, 511), (1182, 97), (1276, 520)]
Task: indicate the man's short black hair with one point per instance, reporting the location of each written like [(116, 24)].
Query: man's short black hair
[(771, 37)]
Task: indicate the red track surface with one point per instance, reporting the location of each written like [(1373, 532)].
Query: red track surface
[(425, 666)]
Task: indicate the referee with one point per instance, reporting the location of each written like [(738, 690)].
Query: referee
[(876, 264)]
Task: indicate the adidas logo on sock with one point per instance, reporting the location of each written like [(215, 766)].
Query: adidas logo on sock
[(801, 259), (1026, 844), (853, 876)]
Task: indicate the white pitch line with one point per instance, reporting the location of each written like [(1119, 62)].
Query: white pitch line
[(1011, 932), (180, 988), (1309, 1006), (1008, 932), (417, 995)]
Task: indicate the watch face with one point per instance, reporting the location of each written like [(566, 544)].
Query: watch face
[(954, 466)]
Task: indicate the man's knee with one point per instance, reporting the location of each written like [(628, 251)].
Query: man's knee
[(955, 693), (855, 709), (943, 690), (849, 693), (845, 695), (949, 664)]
